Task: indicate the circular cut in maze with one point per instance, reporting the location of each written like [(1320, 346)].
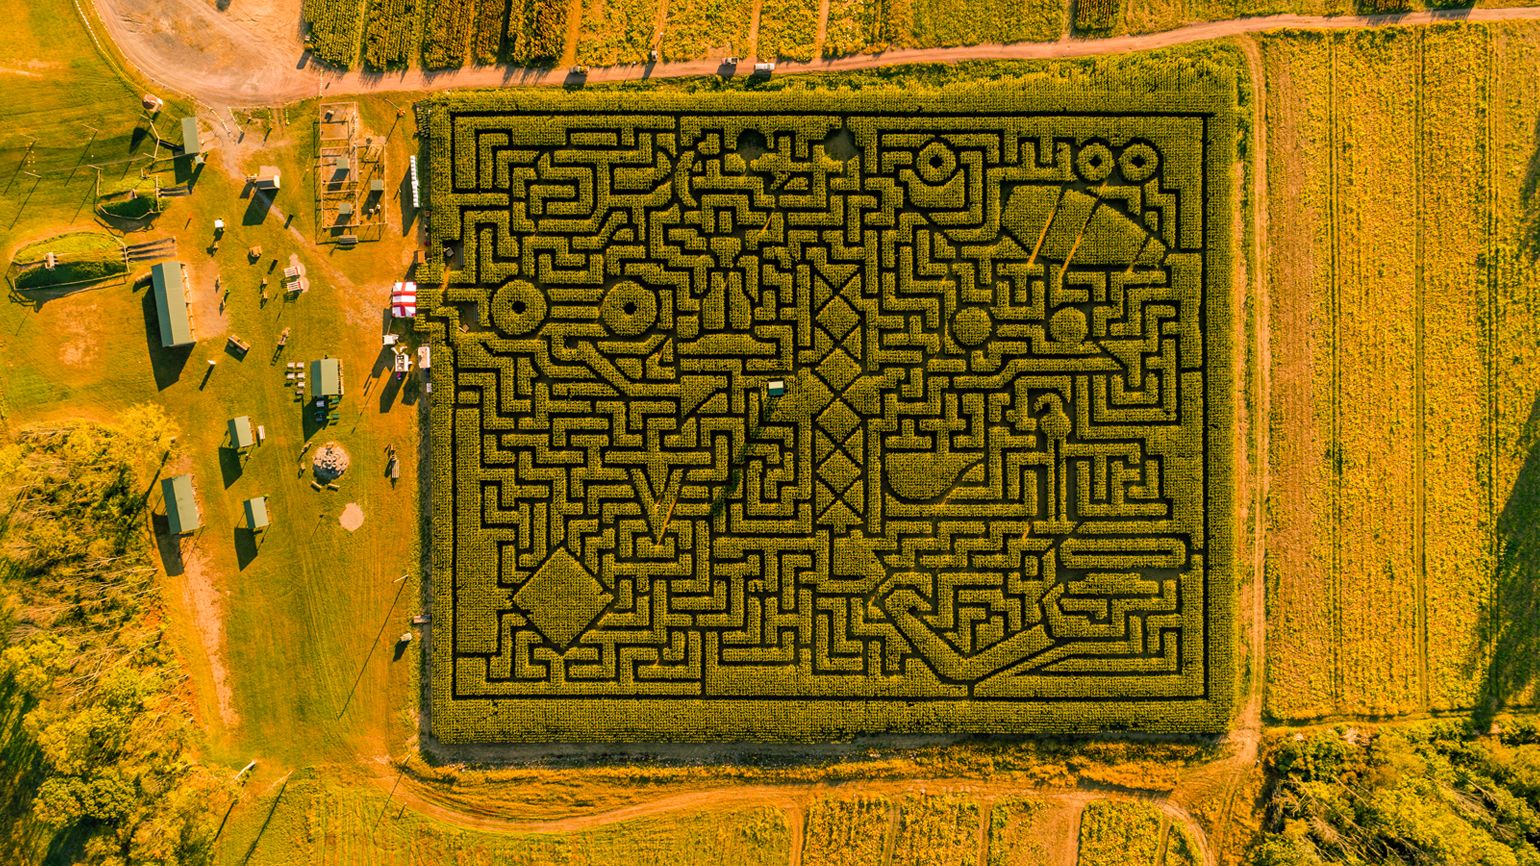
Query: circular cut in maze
[(971, 326), (936, 163), (1068, 325), (1138, 162), (1094, 162), (628, 309), (517, 308)]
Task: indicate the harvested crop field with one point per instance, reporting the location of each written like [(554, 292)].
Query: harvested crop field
[(1406, 368)]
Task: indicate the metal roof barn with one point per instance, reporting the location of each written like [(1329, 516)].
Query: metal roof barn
[(256, 513), (240, 433), (181, 506), (169, 282), (191, 144), (326, 378)]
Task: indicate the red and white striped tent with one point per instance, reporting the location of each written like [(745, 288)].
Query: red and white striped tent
[(403, 300)]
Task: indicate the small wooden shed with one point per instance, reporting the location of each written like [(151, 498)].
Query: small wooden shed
[(267, 178), (181, 506), (256, 513), (241, 437)]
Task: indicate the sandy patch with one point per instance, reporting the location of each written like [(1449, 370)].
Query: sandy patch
[(79, 344), (352, 517), (208, 613)]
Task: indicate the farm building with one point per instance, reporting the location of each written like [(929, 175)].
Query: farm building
[(377, 187), (181, 506), (168, 280), (241, 437), (345, 213), (326, 378), (267, 178), (192, 145), (256, 513)]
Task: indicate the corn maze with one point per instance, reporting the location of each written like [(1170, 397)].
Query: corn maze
[(799, 417)]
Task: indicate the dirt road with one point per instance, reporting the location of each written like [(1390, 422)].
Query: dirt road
[(252, 54), (792, 800)]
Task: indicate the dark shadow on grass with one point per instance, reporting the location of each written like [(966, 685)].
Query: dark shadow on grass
[(257, 207), (231, 465), (247, 544), (186, 169), (168, 545), (389, 392), (312, 421), (1513, 613), (67, 847), (404, 199), (21, 765), (167, 364), (272, 810), (1529, 199)]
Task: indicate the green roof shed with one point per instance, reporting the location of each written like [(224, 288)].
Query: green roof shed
[(169, 282), (326, 378), (256, 513), (181, 506), (191, 144), (241, 436)]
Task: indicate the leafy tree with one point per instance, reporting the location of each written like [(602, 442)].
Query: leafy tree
[(101, 742)]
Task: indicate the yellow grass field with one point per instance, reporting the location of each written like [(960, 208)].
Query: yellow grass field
[(1403, 362)]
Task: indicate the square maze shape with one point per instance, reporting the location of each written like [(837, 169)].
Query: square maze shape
[(800, 417)]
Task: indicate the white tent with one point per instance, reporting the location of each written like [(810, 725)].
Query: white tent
[(403, 300)]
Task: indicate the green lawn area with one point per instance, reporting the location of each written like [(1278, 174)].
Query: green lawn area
[(67, 109), (307, 684), (80, 257)]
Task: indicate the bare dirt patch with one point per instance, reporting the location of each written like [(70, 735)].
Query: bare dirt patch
[(79, 343), (352, 517), (207, 609)]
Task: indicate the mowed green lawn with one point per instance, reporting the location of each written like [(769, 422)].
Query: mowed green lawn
[(301, 609), (66, 110), (292, 622)]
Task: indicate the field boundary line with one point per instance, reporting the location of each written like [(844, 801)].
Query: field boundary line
[(1335, 581), (752, 43), (822, 35), (659, 24), (986, 806), (574, 32), (1493, 592), (1419, 373)]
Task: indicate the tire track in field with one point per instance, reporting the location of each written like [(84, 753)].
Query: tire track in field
[(1333, 141), (790, 798), (753, 41), (215, 63), (1493, 601), (574, 30), (822, 34), (1419, 376)]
